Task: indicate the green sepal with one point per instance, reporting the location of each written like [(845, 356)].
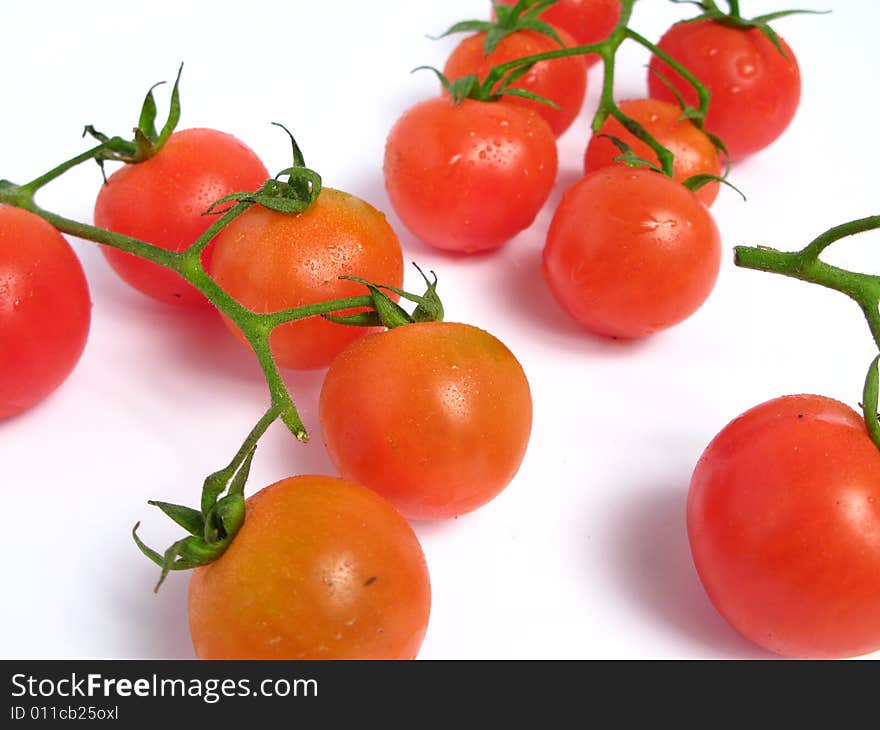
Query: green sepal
[(695, 182), (529, 95), (189, 519)]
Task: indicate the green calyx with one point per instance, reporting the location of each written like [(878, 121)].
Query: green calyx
[(863, 289), (470, 87), (733, 19), (509, 19), (293, 195), (147, 139)]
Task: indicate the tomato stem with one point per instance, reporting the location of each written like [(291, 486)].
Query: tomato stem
[(864, 289)]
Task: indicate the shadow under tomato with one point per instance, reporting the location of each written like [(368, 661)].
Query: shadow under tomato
[(654, 568), (529, 297)]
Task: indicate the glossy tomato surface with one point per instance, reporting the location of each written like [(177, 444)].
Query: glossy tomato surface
[(693, 150), (45, 310), (434, 416), (631, 252), (561, 80), (161, 201), (469, 177), (755, 88), (588, 21), (271, 261), (321, 569), (784, 525)]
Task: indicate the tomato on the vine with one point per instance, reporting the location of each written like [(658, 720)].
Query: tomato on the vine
[(693, 150), (45, 309), (588, 21), (271, 261), (784, 525), (562, 80), (320, 569), (470, 176), (162, 201), (631, 252), (434, 416), (755, 87)]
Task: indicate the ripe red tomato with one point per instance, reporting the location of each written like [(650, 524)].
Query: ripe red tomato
[(755, 89), (321, 569), (562, 80), (784, 524), (161, 201), (469, 177), (588, 21), (630, 252), (434, 416), (271, 261), (45, 310), (694, 152)]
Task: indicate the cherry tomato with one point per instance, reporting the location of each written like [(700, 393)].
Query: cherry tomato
[(694, 152), (588, 21), (784, 525), (321, 569), (562, 80), (469, 177), (45, 310), (434, 416), (161, 201), (630, 252), (271, 261), (755, 88)]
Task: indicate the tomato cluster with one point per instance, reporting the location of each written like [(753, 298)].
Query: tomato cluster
[(429, 420)]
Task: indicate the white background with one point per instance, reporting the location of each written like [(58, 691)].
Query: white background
[(585, 554)]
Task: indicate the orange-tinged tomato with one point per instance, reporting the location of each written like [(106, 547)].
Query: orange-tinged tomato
[(693, 150), (321, 569), (434, 416), (271, 261), (561, 80)]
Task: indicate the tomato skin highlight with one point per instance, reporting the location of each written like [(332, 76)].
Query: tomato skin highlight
[(271, 261), (45, 310), (562, 80), (630, 252), (321, 569), (693, 150), (588, 21), (784, 525), (755, 89), (161, 201), (468, 178), (433, 416)]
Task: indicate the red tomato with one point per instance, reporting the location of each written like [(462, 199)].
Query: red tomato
[(434, 416), (784, 524), (755, 89), (588, 21), (271, 261), (630, 252), (45, 310), (321, 569), (469, 177), (161, 201), (694, 152), (562, 80)]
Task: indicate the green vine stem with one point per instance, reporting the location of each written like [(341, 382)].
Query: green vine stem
[(214, 524), (499, 80), (864, 289)]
